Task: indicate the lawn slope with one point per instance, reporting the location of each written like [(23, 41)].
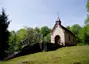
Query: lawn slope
[(65, 55)]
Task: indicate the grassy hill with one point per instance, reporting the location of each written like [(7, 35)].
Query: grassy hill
[(65, 55)]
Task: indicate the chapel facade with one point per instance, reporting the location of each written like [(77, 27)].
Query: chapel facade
[(61, 35)]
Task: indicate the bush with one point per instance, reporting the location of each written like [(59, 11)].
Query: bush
[(81, 44)]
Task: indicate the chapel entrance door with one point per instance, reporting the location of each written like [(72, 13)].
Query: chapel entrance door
[(57, 39)]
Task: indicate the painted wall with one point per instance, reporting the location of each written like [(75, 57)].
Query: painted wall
[(65, 37), (58, 31)]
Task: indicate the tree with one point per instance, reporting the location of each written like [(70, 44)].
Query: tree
[(20, 35), (84, 34), (4, 33), (76, 29), (15, 40), (44, 30), (87, 19), (37, 29), (47, 38), (32, 36), (68, 27), (12, 42)]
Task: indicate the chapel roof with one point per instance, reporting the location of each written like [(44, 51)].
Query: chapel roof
[(58, 22)]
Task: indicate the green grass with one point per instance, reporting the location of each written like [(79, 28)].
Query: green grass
[(65, 55)]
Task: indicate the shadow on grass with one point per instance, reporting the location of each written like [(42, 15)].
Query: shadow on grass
[(38, 47)]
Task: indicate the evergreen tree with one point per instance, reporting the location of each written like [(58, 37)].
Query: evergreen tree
[(4, 34)]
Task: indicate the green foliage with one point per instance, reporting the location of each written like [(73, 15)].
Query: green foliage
[(75, 29), (4, 33), (68, 27), (47, 38), (21, 34), (87, 19), (37, 29), (87, 5), (15, 40), (12, 41), (45, 30), (32, 36), (81, 44), (84, 34), (28, 36), (45, 33)]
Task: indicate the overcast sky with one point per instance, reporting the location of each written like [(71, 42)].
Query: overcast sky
[(38, 13)]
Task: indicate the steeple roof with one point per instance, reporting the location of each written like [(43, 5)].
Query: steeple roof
[(58, 22)]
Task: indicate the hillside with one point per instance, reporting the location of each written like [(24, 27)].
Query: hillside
[(65, 55)]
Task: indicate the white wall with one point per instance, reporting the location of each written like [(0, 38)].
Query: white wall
[(58, 31)]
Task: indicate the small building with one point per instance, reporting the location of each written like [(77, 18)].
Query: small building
[(61, 35)]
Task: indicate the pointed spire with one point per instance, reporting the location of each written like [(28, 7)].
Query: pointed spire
[(58, 21)]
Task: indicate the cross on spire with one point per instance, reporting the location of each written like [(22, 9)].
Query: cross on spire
[(57, 14), (58, 21)]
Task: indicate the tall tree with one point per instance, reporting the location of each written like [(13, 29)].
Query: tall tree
[(87, 19), (4, 34)]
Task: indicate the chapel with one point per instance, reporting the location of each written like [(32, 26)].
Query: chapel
[(61, 35)]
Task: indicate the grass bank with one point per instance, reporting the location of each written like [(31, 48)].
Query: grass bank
[(65, 55)]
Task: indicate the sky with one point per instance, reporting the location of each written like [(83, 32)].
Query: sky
[(38, 13)]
